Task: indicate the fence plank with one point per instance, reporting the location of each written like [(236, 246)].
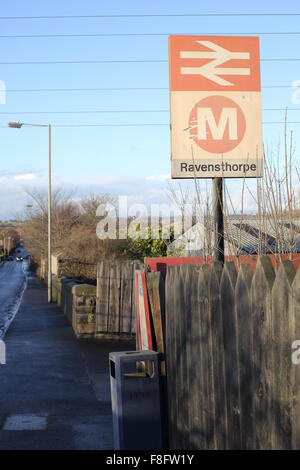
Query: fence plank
[(206, 366), (206, 273), (295, 311), (180, 355), (170, 354), (102, 304), (244, 341), (263, 342), (218, 356), (185, 323), (227, 287), (155, 290), (114, 298), (217, 267), (283, 324), (156, 296), (125, 320), (137, 265), (193, 362)]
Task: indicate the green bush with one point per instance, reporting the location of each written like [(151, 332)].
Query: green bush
[(148, 247)]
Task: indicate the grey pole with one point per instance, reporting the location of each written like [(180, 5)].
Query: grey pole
[(218, 218), (18, 125), (49, 219)]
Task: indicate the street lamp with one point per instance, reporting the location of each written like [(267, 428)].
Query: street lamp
[(18, 125)]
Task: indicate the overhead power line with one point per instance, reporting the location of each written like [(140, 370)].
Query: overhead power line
[(95, 35), (116, 111), (50, 62), (149, 15), (141, 124), (85, 89), (127, 61), (29, 90), (90, 112), (104, 125)]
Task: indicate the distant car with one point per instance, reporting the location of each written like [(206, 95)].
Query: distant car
[(19, 258), (10, 258)]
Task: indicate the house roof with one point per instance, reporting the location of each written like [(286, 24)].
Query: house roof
[(246, 234)]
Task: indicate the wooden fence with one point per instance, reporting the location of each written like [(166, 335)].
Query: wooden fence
[(116, 304), (230, 377)]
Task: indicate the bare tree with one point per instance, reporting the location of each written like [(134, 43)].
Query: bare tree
[(65, 214), (89, 205), (74, 238), (275, 225)]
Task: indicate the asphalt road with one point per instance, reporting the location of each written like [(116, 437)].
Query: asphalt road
[(12, 279)]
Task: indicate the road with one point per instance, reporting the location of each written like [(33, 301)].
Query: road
[(12, 280)]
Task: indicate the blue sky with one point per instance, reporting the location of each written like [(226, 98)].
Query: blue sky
[(133, 160)]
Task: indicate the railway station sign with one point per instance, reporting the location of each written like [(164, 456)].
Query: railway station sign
[(215, 106)]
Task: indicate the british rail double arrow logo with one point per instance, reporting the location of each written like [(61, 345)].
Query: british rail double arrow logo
[(211, 70)]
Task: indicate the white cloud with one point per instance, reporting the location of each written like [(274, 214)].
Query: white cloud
[(143, 190), (158, 177), (25, 176)]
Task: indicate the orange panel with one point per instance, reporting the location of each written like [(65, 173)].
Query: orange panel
[(214, 63)]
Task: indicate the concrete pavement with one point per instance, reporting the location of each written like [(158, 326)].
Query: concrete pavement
[(54, 389)]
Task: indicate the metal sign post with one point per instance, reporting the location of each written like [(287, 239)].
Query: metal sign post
[(218, 218)]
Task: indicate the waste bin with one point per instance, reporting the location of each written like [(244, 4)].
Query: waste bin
[(136, 402)]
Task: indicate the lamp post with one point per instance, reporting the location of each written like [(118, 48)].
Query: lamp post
[(18, 125)]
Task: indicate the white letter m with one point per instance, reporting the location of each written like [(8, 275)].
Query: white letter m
[(205, 115)]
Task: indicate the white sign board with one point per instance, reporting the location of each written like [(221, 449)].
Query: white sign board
[(215, 102)]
